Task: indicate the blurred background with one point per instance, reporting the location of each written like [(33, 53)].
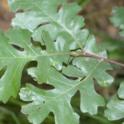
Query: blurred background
[(5, 15), (97, 15)]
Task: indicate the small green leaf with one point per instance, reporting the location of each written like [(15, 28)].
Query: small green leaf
[(101, 76), (118, 18), (121, 91), (115, 107)]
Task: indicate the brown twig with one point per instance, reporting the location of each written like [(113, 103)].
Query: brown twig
[(93, 55)]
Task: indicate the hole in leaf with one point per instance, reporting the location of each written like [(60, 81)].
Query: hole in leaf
[(75, 101), (83, 78), (42, 24), (43, 86), (31, 64), (76, 50), (43, 47), (2, 71), (59, 7), (20, 11), (50, 119), (47, 86), (25, 77), (18, 47), (69, 77), (105, 91), (38, 44), (35, 43), (64, 64)]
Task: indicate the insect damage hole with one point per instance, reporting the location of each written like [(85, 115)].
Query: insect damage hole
[(2, 71), (17, 47)]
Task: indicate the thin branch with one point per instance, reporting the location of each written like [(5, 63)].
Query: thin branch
[(93, 55)]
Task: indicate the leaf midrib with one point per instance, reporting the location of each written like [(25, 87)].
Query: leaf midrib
[(37, 56), (61, 25), (49, 99), (81, 82)]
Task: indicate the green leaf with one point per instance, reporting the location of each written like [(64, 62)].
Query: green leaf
[(45, 15), (44, 102), (118, 18), (58, 100), (52, 30), (72, 71), (101, 76), (14, 62), (88, 96), (120, 91), (48, 60), (10, 55), (115, 107)]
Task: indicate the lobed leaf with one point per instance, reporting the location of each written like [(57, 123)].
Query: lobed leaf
[(115, 107), (14, 62), (58, 30)]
